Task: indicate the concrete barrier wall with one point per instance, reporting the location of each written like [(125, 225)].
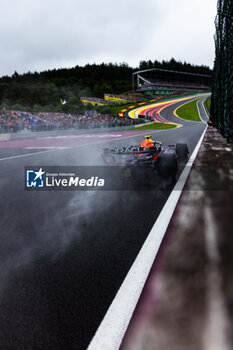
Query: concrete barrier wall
[(4, 137), (38, 134)]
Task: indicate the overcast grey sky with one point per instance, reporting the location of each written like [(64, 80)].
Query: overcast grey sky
[(45, 34)]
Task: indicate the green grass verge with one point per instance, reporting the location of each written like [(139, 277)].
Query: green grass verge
[(155, 126), (189, 111)]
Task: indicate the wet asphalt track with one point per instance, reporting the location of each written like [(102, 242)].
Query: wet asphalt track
[(65, 254)]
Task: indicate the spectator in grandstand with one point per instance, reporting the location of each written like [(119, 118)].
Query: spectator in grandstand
[(14, 121)]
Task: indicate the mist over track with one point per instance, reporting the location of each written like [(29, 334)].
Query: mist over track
[(64, 254)]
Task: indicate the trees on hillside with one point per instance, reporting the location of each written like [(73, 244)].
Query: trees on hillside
[(175, 65), (47, 88)]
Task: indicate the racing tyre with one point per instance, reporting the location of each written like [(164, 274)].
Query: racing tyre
[(167, 168), (182, 153)]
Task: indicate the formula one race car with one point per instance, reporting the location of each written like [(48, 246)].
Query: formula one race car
[(166, 161)]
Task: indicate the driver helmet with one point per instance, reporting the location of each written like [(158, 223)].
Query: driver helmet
[(148, 142), (148, 137)]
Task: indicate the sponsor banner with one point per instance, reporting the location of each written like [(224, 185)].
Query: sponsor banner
[(116, 99), (93, 102)]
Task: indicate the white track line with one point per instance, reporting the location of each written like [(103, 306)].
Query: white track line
[(202, 102), (111, 331), (199, 112), (27, 154), (41, 147), (198, 109), (191, 99), (205, 108), (82, 145)]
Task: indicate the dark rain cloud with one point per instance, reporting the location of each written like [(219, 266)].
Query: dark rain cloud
[(46, 34)]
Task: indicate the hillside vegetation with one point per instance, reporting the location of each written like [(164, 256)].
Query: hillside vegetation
[(44, 91)]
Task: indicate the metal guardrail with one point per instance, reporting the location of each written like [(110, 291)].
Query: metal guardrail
[(222, 89)]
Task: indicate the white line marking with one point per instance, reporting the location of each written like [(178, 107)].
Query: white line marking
[(186, 120), (27, 154), (111, 331), (198, 109), (82, 145), (181, 125), (40, 147), (191, 98), (207, 115), (199, 112)]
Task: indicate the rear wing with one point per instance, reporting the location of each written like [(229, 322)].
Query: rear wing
[(129, 150)]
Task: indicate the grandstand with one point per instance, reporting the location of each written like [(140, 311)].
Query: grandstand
[(160, 81)]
